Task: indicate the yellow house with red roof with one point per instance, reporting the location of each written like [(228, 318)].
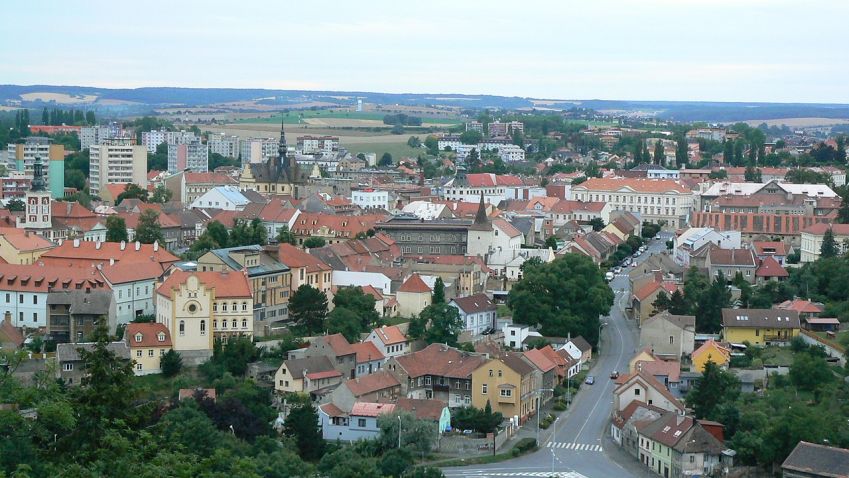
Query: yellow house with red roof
[(18, 246), (413, 296), (148, 342), (711, 351)]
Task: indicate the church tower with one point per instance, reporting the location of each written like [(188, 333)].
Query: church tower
[(37, 213)]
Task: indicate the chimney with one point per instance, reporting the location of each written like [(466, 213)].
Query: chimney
[(26, 233), (138, 245), (97, 245), (111, 261), (155, 246), (123, 245), (60, 241), (76, 243)]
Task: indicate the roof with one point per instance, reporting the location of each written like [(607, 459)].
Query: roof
[(185, 393), (278, 210), (297, 258), (516, 362), (268, 263), (23, 240), (39, 278), (441, 361), (86, 253), (634, 184), (371, 383), (771, 268), (506, 227), (209, 178), (83, 302), (621, 418), (669, 429), (390, 334), (226, 284), (680, 321), (822, 321), (648, 380), (820, 228), (323, 374), (150, 334), (297, 367), (668, 368), (368, 409), (478, 180), (581, 343), (771, 318), (331, 410), (414, 284), (732, 257), (10, 334), (801, 305), (121, 273), (777, 248), (817, 459), (70, 352), (712, 345), (540, 360), (474, 304), (366, 352), (423, 409)]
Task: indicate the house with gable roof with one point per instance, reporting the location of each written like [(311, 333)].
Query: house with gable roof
[(437, 372), (359, 424), (644, 387), (477, 312), (390, 340), (315, 375), (669, 335), (760, 326), (148, 342), (509, 383), (335, 347), (413, 296), (812, 460), (380, 386)]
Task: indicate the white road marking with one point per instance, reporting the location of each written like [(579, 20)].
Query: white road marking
[(574, 446)]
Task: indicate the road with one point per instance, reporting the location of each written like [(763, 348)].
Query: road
[(580, 439)]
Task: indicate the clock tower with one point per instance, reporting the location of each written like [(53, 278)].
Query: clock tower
[(37, 214)]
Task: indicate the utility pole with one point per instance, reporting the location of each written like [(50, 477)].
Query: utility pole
[(554, 435), (399, 432)]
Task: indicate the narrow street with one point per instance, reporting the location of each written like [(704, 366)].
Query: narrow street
[(581, 441)]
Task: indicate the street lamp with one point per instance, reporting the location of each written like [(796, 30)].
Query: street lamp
[(600, 325), (399, 432), (539, 406), (553, 433)]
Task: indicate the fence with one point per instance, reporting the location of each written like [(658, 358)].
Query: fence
[(472, 445)]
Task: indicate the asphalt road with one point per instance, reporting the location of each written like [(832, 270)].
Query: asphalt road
[(581, 440)]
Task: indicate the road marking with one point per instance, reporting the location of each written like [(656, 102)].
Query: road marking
[(557, 474), (574, 446)]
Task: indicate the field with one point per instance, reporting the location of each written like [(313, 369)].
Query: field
[(341, 118), (799, 122), (397, 150), (59, 98)]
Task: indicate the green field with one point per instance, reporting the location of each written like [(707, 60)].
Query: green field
[(294, 117), (397, 150)]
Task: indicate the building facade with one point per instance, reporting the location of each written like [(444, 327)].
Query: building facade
[(117, 161)]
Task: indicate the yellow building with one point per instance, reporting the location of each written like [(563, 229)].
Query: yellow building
[(413, 296), (148, 342), (306, 269), (644, 355), (18, 246), (509, 384), (198, 307), (711, 351), (759, 326)]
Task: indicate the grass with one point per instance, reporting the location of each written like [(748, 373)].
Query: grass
[(293, 117), (159, 386), (397, 150), (777, 356), (486, 459), (395, 320), (840, 339), (503, 310)]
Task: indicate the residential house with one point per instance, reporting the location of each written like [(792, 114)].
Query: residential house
[(413, 296), (369, 358), (305, 268), (78, 253), (692, 239), (225, 198), (437, 372), (509, 384), (547, 369), (428, 410), (133, 285), (278, 215), (812, 460), (516, 334), (669, 335), (769, 269), (812, 237), (644, 387), (18, 246), (579, 349), (10, 336), (805, 308), (73, 315), (655, 200), (731, 262), (390, 341), (760, 326), (667, 372), (335, 347), (624, 424), (477, 312), (199, 307), (70, 367), (775, 249), (643, 299), (711, 351), (359, 424), (148, 342), (675, 446), (311, 375), (377, 387)]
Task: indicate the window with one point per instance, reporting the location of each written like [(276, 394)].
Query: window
[(161, 337), (68, 367), (35, 299), (20, 298), (150, 353), (182, 328), (138, 337), (139, 367), (427, 380), (361, 422), (506, 392), (637, 391), (234, 323), (193, 308), (692, 459), (244, 323), (138, 353), (244, 306), (215, 307), (490, 372), (671, 340), (161, 352), (224, 307), (500, 373), (203, 327), (483, 389)]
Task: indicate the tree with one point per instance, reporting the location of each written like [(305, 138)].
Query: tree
[(346, 322), (314, 242), (360, 303), (158, 161), (16, 205), (308, 309), (132, 191), (716, 386), (551, 242), (116, 229), (751, 174), (171, 363), (681, 151), (445, 324), (414, 142), (843, 212), (471, 137), (829, 245), (708, 310), (661, 302), (74, 179), (659, 153), (45, 116), (638, 152), (418, 434), (161, 194), (566, 296), (385, 160), (438, 296), (148, 230), (302, 425), (597, 223), (677, 304), (810, 372), (727, 152), (285, 236), (473, 160)]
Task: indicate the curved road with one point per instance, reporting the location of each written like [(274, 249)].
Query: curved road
[(577, 450)]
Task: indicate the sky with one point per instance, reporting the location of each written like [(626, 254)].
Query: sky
[(707, 50)]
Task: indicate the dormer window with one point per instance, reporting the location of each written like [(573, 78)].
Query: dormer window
[(138, 337), (161, 337)]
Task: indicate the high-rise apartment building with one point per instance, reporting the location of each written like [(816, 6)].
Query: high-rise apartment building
[(117, 161), (192, 156), (21, 157)]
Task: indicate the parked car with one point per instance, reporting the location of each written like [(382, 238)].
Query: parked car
[(617, 270), (590, 380), (614, 375)]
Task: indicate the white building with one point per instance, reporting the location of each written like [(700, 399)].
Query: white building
[(317, 144), (117, 161), (696, 237), (494, 188), (502, 236), (655, 200), (227, 146), (152, 139), (477, 312), (258, 150), (390, 340), (228, 198), (515, 334), (133, 287), (370, 198), (361, 279), (193, 156), (92, 135)]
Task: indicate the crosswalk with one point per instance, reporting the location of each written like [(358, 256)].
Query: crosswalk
[(573, 446), (529, 474)]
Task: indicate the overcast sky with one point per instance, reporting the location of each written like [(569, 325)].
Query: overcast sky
[(720, 50)]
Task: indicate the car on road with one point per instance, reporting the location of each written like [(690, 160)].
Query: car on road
[(617, 270), (609, 276), (614, 375), (590, 380)]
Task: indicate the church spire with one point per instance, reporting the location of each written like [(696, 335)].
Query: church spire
[(481, 217)]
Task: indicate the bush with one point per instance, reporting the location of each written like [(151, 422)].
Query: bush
[(525, 444), (560, 405), (171, 363)]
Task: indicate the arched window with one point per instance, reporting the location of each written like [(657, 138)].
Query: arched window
[(244, 323), (235, 324), (182, 328), (235, 306), (203, 327), (244, 306)]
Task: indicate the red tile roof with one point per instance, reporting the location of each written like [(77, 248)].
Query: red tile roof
[(635, 184), (121, 273), (441, 361), (733, 257), (506, 227), (323, 374), (415, 284), (821, 227), (368, 409), (41, 278), (217, 179), (339, 344), (648, 289), (297, 258), (649, 380), (478, 180), (23, 240), (800, 305), (86, 254), (474, 304), (226, 284), (331, 410), (771, 268), (774, 247), (423, 409), (372, 383), (10, 334), (670, 368), (309, 224), (540, 360), (390, 334), (367, 352), (149, 335)]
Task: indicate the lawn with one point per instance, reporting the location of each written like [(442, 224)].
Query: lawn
[(397, 150), (777, 356), (157, 385)]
